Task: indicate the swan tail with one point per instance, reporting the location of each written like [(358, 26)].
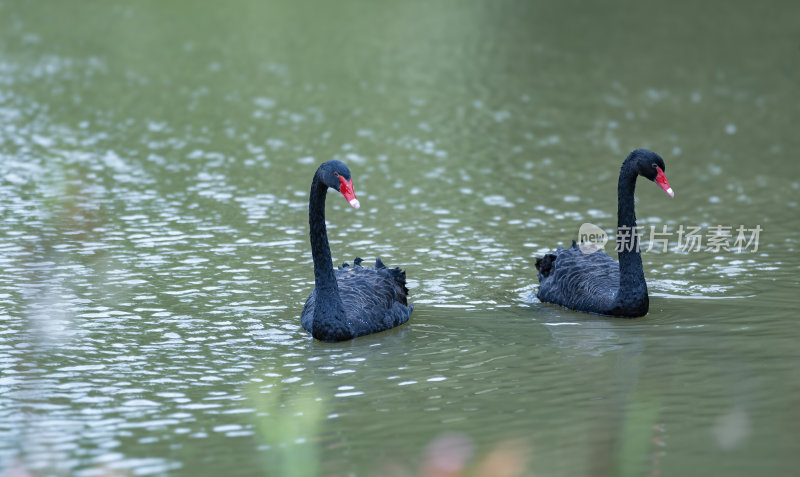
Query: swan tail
[(545, 265), (399, 277)]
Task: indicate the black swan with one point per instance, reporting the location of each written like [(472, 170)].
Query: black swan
[(349, 301), (594, 282)]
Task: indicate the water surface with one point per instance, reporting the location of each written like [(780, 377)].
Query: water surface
[(155, 160)]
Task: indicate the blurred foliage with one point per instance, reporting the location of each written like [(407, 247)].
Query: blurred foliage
[(288, 423)]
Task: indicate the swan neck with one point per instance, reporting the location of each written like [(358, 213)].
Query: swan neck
[(329, 320), (626, 216), (324, 278), (632, 293)]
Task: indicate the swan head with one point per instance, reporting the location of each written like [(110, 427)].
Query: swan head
[(650, 165), (336, 175)]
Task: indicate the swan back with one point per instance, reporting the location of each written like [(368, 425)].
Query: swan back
[(374, 299), (577, 280)]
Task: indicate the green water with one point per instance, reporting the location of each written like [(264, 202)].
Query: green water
[(155, 159)]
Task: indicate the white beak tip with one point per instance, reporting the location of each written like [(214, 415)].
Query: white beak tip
[(669, 191), (355, 203)]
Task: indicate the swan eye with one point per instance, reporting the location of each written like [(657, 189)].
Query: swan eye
[(655, 166)]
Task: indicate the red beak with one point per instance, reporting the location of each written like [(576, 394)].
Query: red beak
[(346, 188), (662, 182)]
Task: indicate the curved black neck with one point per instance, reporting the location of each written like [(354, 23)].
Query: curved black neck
[(324, 278), (330, 319), (632, 293)]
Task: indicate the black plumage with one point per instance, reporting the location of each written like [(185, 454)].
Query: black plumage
[(594, 282), (350, 301)]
